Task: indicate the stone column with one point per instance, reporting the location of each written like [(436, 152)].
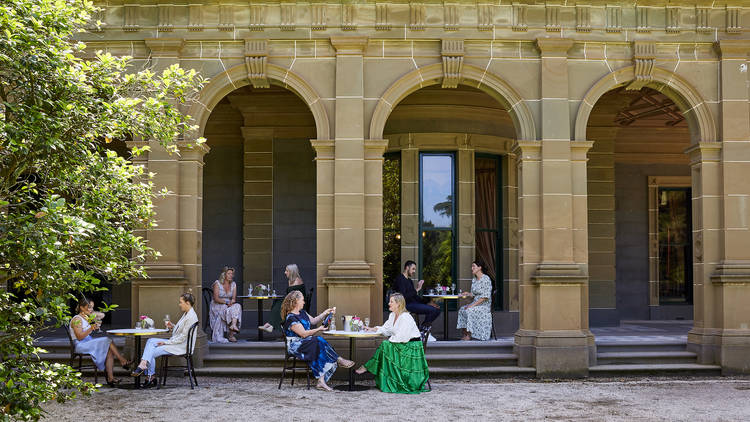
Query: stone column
[(350, 281), (466, 217), (553, 334), (722, 324), (409, 204)]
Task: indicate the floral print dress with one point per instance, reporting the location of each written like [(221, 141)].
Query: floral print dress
[(478, 319), (314, 350)]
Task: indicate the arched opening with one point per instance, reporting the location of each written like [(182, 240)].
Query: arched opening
[(449, 195), (639, 208), (259, 192)]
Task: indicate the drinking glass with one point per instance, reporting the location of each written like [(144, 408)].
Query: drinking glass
[(367, 322), (166, 320)]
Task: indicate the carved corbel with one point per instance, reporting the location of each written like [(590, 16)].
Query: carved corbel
[(643, 59), (256, 60), (453, 61)]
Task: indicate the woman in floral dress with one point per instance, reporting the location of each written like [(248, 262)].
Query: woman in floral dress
[(305, 345), (475, 319), (225, 314)]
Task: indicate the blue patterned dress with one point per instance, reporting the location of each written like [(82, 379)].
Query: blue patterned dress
[(96, 347), (314, 350)]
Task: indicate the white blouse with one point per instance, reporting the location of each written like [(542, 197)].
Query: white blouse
[(403, 330)]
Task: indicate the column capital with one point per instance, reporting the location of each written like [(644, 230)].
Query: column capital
[(554, 47), (324, 148), (704, 151), (191, 150), (165, 47), (375, 148), (527, 150), (349, 45), (733, 49), (579, 149)]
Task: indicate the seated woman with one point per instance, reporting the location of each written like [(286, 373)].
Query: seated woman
[(399, 363), (305, 345), (175, 345), (225, 314), (103, 352), (476, 318), (295, 283)]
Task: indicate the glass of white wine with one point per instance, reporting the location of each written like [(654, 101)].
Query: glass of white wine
[(166, 321)]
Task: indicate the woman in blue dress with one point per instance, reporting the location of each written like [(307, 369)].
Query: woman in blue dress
[(305, 345), (103, 352)]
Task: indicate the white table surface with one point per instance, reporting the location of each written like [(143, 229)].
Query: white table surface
[(137, 331)]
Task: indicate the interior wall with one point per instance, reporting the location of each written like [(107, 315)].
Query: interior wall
[(222, 194), (294, 205)]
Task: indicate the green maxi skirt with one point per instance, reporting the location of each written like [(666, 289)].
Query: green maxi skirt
[(399, 367)]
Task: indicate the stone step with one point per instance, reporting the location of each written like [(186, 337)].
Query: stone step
[(471, 360), (434, 371), (248, 348), (469, 347), (243, 360), (658, 345), (493, 370), (650, 357), (679, 369)]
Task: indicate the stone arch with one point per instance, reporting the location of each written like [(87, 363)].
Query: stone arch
[(472, 76), (236, 77), (697, 114)]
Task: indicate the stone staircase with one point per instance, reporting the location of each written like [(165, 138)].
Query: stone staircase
[(647, 355)]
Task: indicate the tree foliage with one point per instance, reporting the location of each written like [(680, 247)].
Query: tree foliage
[(69, 205)]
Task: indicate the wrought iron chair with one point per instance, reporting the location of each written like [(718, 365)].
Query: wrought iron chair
[(188, 356), (80, 356), (492, 316), (308, 299), (207, 294), (291, 362)]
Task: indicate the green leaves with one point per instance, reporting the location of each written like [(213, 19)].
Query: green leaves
[(70, 206)]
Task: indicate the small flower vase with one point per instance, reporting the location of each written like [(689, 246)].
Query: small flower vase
[(138, 325)]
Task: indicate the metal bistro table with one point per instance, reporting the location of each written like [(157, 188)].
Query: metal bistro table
[(260, 309), (353, 336), (137, 333), (445, 310)]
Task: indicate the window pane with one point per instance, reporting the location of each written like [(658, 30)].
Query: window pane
[(391, 257), (437, 257), (486, 250), (486, 192), (437, 191), (675, 277), (392, 192)]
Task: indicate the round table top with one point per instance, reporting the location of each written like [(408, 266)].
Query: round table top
[(261, 297), (357, 334), (443, 296), (137, 331)]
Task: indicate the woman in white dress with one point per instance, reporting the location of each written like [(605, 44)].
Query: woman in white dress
[(225, 314), (399, 363), (103, 352), (175, 345), (475, 319)]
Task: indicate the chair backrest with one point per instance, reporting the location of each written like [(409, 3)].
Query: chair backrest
[(207, 293), (424, 335), (70, 339), (308, 299), (191, 339)]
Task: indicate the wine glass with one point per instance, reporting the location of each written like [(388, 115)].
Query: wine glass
[(367, 322), (166, 320)]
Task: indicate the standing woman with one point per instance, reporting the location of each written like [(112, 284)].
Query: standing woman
[(399, 363), (225, 314), (302, 342), (175, 345), (476, 318), (103, 352), (295, 283)]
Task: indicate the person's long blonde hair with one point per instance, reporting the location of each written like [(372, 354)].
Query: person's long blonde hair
[(400, 301), (290, 301), (293, 273), (223, 275)]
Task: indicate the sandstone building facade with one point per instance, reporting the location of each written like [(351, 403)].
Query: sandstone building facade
[(594, 153)]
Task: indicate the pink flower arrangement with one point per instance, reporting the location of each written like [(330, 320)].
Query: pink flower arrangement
[(143, 317)]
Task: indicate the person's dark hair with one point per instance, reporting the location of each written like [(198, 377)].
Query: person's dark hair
[(188, 297), (479, 263), (83, 301), (409, 263)]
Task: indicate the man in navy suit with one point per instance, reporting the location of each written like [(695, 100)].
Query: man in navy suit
[(415, 303)]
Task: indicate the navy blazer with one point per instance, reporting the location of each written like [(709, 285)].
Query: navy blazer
[(406, 287)]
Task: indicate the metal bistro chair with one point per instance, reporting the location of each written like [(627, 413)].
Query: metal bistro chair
[(492, 316), (291, 362), (424, 334), (189, 368), (308, 300), (207, 294), (80, 356)]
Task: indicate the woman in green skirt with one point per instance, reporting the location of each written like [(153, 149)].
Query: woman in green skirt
[(295, 283), (399, 364)]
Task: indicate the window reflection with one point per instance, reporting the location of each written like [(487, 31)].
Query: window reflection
[(675, 242), (437, 191)]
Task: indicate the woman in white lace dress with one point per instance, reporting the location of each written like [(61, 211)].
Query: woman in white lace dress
[(225, 313), (475, 319)]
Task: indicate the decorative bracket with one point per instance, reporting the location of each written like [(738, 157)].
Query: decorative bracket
[(644, 57), (453, 61), (256, 60)]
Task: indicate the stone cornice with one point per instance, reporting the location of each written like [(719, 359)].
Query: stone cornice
[(733, 49), (349, 45)]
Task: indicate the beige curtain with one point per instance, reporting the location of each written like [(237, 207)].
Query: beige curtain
[(486, 213)]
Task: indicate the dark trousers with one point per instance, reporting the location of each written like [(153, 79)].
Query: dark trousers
[(430, 312)]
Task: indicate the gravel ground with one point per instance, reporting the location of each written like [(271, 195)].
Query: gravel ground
[(233, 399)]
